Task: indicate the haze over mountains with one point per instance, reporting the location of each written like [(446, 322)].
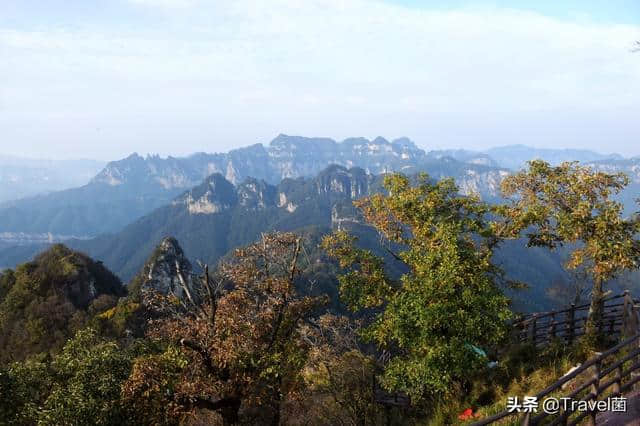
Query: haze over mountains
[(212, 203), (24, 177), (127, 189)]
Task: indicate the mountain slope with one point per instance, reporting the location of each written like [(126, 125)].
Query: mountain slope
[(214, 217), (45, 301)]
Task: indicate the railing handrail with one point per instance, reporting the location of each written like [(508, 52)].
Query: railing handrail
[(568, 377), (596, 383), (538, 315), (588, 364)]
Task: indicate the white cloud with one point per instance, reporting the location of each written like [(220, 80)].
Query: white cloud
[(322, 66)]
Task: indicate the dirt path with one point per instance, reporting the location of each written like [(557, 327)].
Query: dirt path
[(630, 418)]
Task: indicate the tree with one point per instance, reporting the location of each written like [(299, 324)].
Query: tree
[(80, 384), (23, 388), (338, 376), (87, 375), (449, 299), (238, 339), (571, 204)]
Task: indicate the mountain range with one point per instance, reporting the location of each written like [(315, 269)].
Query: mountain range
[(212, 203), (216, 216), (127, 189)]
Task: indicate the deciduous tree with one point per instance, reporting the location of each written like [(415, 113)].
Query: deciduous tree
[(572, 204), (447, 302), (239, 337)]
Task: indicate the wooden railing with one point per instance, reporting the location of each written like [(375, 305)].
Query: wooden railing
[(604, 376), (607, 375), (568, 324)]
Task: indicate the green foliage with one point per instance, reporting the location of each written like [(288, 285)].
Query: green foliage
[(7, 280), (340, 389), (126, 318), (82, 382), (447, 301), (47, 300), (572, 204), (88, 375), (23, 387)]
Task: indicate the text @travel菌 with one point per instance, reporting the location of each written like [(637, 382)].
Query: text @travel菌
[(550, 405)]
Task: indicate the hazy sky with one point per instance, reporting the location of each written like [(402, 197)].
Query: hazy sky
[(104, 78)]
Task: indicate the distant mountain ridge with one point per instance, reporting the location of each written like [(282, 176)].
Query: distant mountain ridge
[(284, 157), (127, 189), (631, 167)]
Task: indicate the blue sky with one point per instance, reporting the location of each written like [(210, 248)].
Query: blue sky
[(610, 11), (105, 78)]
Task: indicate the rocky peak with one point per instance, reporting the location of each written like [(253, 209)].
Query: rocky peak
[(214, 195), (405, 142), (166, 268), (297, 143), (117, 172), (352, 183), (256, 194)]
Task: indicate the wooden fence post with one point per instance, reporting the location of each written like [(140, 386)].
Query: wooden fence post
[(533, 329), (571, 314), (618, 384), (594, 390), (629, 317), (552, 329), (612, 324)]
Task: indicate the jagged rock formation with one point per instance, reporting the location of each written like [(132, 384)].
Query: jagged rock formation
[(629, 166), (465, 156), (134, 188), (284, 157), (167, 271), (214, 195), (215, 217), (254, 194)]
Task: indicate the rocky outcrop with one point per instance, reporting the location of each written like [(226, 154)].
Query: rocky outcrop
[(214, 195), (254, 194), (168, 271)]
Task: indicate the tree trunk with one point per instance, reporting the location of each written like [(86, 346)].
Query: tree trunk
[(230, 413), (595, 309), (277, 404)]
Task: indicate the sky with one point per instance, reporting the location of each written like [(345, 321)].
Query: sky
[(105, 78)]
